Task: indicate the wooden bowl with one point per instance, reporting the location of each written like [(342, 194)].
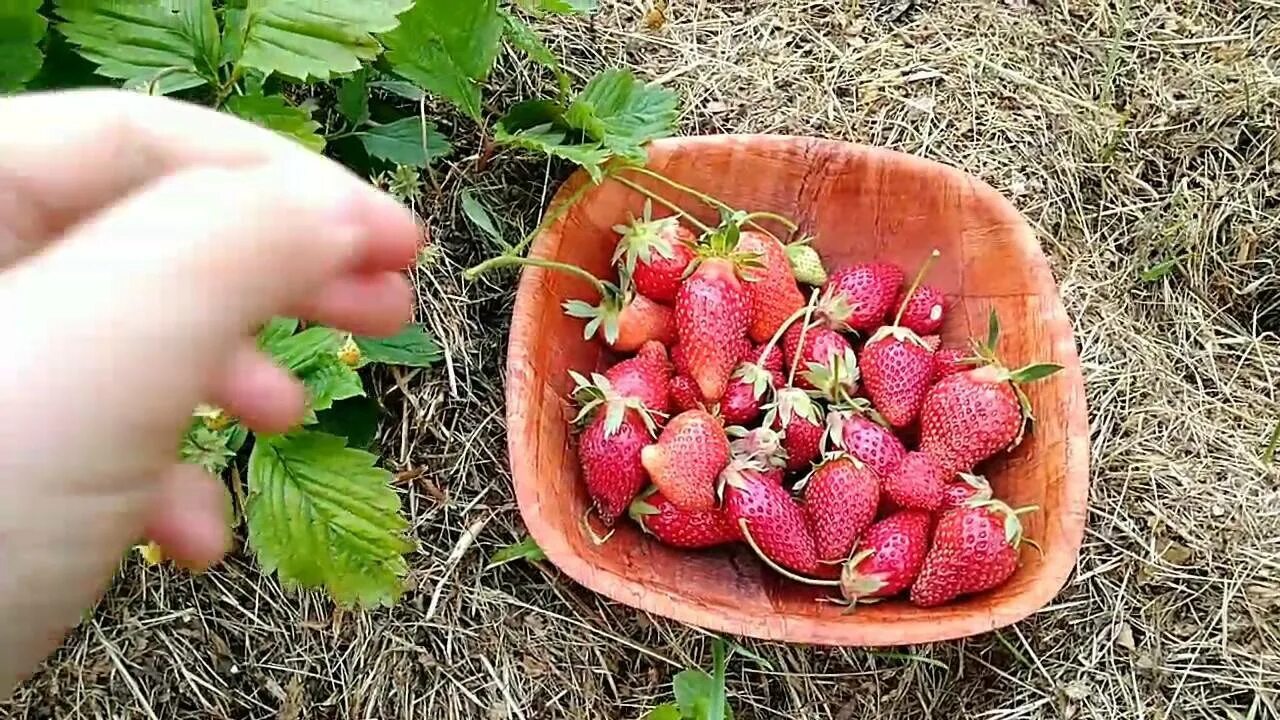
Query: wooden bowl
[(861, 203)]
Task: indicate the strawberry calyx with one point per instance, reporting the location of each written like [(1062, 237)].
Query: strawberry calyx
[(644, 238), (760, 380), (760, 448), (639, 509), (837, 379), (597, 392), (855, 585), (790, 403), (1013, 530), (833, 309), (722, 244), (989, 368), (981, 488)]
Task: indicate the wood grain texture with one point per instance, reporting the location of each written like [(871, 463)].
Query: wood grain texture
[(861, 203)]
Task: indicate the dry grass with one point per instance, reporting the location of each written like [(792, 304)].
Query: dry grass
[(1129, 132)]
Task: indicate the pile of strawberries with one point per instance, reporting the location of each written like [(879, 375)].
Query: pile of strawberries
[(828, 429)]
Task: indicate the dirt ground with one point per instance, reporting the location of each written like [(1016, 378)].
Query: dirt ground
[(1129, 132)]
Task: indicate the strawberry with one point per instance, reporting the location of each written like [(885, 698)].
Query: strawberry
[(797, 417), (772, 360), (970, 416), (685, 394), (655, 253), (975, 548), (609, 451), (840, 500), (888, 558), (628, 319), (923, 312), (870, 442), (687, 458), (866, 292), (968, 490), (690, 529), (806, 264), (948, 361), (741, 402), (933, 342), (713, 310), (645, 377), (745, 352), (770, 519), (826, 361), (917, 484), (896, 366), (772, 287)]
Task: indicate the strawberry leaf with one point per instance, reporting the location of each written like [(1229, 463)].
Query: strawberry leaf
[(560, 7), (321, 515), (327, 380), (21, 29), (297, 352), (666, 711), (523, 38), (448, 47), (622, 113), (407, 141), (275, 113), (276, 330), (353, 98), (163, 47), (413, 346), (307, 42), (355, 419), (556, 143), (208, 448)]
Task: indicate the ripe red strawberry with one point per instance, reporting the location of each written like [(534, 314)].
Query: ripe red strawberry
[(975, 548), (645, 377), (797, 418), (687, 459), (627, 319), (745, 394), (775, 523), (889, 557), (923, 313), (896, 366), (685, 394), (840, 500), (967, 490), (655, 254), (949, 361), (866, 290), (825, 357), (690, 529), (772, 287), (609, 450), (772, 359), (917, 484), (970, 416), (713, 311), (870, 442)]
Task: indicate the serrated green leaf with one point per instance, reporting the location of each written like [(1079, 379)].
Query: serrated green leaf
[(479, 216), (546, 139), (666, 711), (275, 113), (404, 142), (622, 113), (403, 88), (21, 29), (327, 380), (1160, 269), (321, 515), (161, 46), (523, 38), (355, 419), (561, 7), (315, 39), (297, 352), (276, 330), (448, 47), (527, 550), (210, 449), (412, 347), (353, 98)]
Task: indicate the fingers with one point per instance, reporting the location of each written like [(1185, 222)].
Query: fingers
[(188, 517), (264, 396), (376, 304)]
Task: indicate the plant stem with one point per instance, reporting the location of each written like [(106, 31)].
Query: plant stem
[(786, 222), (804, 330), (665, 202), (553, 215), (915, 284), (508, 260), (777, 335), (746, 533), (712, 200)]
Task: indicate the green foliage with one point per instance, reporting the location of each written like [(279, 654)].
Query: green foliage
[(355, 419), (275, 113), (562, 7), (305, 40), (407, 141), (479, 216), (210, 449), (21, 29), (527, 550), (353, 98), (523, 38), (328, 380), (412, 347), (699, 695), (320, 514), (448, 48)]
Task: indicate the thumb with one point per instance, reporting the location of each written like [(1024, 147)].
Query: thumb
[(111, 337)]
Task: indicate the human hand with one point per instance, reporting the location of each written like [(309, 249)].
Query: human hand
[(141, 242)]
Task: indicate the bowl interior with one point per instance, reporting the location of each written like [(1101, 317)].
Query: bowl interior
[(860, 203)]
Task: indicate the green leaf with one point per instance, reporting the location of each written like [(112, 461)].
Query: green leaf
[(479, 216), (275, 113), (993, 330), (321, 515), (327, 380), (561, 7), (666, 711), (523, 38), (210, 449), (355, 419), (413, 347), (172, 45), (546, 139), (1031, 373), (298, 352), (1160, 269), (407, 141), (21, 29), (448, 47), (404, 89), (622, 113), (315, 40), (694, 689), (526, 550), (353, 98), (276, 330)]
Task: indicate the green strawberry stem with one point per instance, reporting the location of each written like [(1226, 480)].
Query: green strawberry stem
[(665, 202), (915, 284), (773, 341), (706, 198), (783, 220), (604, 288), (804, 330), (552, 215), (746, 534)]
